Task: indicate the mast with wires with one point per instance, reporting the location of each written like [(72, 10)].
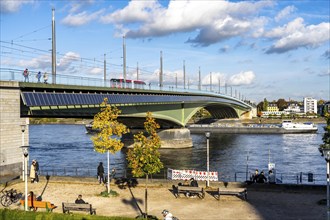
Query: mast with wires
[(184, 75), (105, 71), (199, 79), (137, 71), (53, 48), (161, 71), (124, 60)]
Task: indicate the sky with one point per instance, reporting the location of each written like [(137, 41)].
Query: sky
[(260, 49)]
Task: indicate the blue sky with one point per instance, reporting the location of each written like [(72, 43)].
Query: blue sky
[(262, 49)]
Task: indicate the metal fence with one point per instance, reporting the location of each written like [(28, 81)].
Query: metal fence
[(285, 178)]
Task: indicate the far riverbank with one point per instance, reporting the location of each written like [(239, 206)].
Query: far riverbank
[(78, 121)]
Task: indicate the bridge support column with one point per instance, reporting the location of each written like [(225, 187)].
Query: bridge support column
[(170, 138), (10, 131), (175, 138)]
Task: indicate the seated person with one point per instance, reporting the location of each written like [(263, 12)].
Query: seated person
[(255, 176), (79, 200), (261, 178), (193, 182), (271, 177)]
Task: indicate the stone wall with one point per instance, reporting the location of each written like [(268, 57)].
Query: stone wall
[(11, 137)]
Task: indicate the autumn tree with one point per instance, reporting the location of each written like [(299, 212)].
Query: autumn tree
[(144, 158), (110, 131)]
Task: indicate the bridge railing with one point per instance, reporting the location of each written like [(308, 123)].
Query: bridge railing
[(17, 75)]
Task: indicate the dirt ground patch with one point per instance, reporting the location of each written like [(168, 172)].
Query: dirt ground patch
[(261, 204)]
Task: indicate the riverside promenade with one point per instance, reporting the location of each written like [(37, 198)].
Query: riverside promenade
[(264, 201)]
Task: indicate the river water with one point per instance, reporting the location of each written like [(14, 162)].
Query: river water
[(68, 150)]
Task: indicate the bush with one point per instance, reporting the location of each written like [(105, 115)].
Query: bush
[(106, 194)]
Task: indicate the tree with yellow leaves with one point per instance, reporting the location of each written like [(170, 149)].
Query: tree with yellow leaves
[(144, 158), (110, 131)]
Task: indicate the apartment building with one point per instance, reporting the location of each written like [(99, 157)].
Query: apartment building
[(310, 105)]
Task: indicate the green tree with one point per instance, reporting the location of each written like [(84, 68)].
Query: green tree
[(282, 104), (110, 131), (326, 135), (144, 157), (265, 105)]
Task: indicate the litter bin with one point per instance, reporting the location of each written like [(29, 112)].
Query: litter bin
[(310, 177)]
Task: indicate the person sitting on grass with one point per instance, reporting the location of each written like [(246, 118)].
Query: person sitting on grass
[(79, 200)]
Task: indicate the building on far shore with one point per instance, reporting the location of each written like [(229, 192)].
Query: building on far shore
[(310, 105)]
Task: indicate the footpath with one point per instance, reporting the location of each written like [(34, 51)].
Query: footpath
[(264, 201)]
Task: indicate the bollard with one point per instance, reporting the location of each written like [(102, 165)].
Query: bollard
[(310, 177)]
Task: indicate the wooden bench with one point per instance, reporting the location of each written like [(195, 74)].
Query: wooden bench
[(34, 204), (188, 191), (240, 192), (67, 207)]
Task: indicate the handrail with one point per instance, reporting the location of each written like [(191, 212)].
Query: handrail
[(17, 75)]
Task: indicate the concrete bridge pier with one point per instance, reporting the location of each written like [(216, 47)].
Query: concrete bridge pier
[(174, 138), (11, 136)]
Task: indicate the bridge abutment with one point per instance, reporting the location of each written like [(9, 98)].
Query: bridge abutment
[(11, 137)]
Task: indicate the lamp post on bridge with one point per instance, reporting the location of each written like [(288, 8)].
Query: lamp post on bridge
[(207, 134)]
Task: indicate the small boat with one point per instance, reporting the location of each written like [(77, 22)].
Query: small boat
[(303, 127), (89, 128)]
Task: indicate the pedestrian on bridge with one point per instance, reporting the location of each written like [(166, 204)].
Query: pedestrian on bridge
[(45, 78), (38, 76), (26, 75)]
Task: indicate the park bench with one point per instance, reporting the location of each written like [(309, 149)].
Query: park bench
[(34, 204), (188, 190), (239, 192), (67, 207)]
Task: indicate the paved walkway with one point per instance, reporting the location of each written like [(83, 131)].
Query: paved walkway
[(264, 201)]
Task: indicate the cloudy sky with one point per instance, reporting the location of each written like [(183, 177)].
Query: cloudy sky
[(261, 49)]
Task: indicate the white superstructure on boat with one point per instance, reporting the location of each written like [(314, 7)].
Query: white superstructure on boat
[(289, 125)]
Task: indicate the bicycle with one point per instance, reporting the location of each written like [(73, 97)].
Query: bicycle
[(10, 196)]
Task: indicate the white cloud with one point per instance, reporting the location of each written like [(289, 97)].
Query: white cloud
[(41, 62), (284, 13), (296, 34), (81, 18), (243, 78), (136, 11), (213, 20), (96, 70), (11, 6), (66, 61)]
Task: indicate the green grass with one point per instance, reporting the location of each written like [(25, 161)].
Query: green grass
[(8, 214)]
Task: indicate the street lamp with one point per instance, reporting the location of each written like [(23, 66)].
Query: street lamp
[(207, 134), (25, 150), (23, 127)]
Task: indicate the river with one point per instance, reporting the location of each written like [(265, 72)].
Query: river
[(67, 150)]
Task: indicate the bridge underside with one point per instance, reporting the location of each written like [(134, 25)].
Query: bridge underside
[(171, 109), (168, 116)]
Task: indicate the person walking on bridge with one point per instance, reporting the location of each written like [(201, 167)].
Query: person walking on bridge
[(45, 78), (26, 75)]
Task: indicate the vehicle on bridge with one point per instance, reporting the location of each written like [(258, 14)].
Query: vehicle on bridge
[(128, 83)]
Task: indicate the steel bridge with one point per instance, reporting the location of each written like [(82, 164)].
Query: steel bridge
[(81, 97)]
